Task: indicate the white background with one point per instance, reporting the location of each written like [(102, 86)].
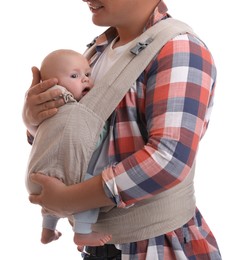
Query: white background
[(29, 30)]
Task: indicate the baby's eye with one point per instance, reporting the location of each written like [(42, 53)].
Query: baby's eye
[(74, 76), (88, 74)]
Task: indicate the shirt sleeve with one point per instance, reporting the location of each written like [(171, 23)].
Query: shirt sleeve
[(179, 97)]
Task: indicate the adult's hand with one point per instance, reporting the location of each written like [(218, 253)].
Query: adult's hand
[(40, 102), (53, 197)]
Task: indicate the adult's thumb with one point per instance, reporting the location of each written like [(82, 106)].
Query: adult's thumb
[(36, 76)]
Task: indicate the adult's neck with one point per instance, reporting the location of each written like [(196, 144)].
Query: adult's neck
[(134, 26)]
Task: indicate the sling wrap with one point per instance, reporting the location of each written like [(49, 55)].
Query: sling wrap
[(151, 217)]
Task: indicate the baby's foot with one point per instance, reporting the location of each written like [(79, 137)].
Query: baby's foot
[(90, 239), (49, 235)]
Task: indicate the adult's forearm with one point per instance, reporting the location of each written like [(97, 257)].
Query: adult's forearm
[(89, 194), (62, 200)]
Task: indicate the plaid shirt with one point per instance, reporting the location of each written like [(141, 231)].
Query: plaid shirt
[(156, 128)]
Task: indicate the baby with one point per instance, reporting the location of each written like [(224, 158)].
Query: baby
[(55, 147)]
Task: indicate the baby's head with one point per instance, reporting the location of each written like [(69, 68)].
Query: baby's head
[(70, 68)]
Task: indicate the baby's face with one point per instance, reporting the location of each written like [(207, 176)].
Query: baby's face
[(71, 69), (74, 73)]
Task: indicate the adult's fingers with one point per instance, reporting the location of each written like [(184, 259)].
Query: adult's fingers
[(36, 76), (42, 87), (38, 87), (35, 199), (38, 178), (52, 95)]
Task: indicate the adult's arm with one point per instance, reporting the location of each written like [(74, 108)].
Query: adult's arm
[(178, 97), (62, 200)]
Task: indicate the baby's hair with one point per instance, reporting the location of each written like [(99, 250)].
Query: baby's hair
[(50, 62)]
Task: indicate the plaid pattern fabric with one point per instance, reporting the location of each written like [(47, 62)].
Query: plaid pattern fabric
[(170, 105), (193, 241), (154, 137)]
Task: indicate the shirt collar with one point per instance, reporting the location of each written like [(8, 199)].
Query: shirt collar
[(158, 14)]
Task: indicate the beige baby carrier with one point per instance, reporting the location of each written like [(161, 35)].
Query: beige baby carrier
[(158, 215)]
